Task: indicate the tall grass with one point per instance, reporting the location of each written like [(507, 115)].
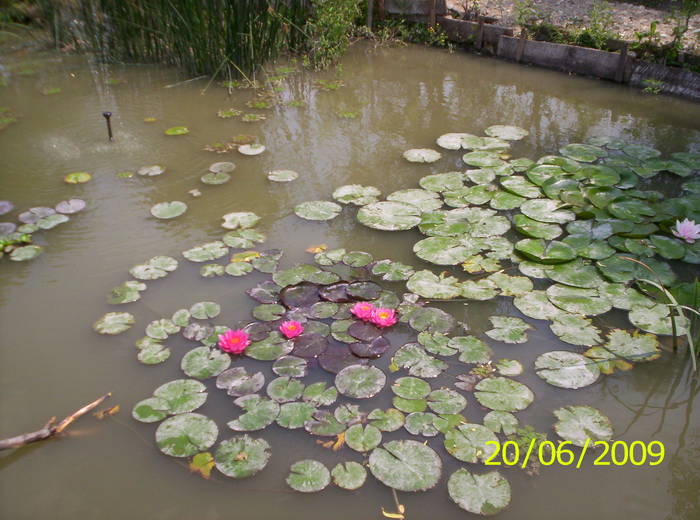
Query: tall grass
[(221, 37)]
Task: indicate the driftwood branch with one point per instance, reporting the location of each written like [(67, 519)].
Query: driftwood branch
[(50, 429)]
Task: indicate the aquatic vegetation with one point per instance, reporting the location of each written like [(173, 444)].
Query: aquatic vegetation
[(329, 85), (382, 317), (234, 341), (177, 130), (229, 113), (282, 175), (77, 178), (687, 230), (259, 104), (168, 210), (253, 118), (291, 329), (348, 114), (251, 149)]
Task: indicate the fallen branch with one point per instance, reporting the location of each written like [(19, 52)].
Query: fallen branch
[(50, 429)]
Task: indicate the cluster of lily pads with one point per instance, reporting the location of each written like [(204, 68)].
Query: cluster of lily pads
[(576, 226), (16, 240)]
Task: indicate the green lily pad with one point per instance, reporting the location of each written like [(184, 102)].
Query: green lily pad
[(483, 159), (295, 415), (240, 220), (471, 349), (582, 424), (667, 247), (127, 292), (453, 141), (291, 366), (586, 302), (282, 175), (485, 494), (285, 389), (177, 130), (308, 476), (153, 354), (445, 250), (583, 152), (114, 323), (440, 182), (470, 442), (428, 285), (657, 319), (534, 229), (511, 285), (478, 290), (260, 412), (363, 438), (389, 216), (422, 155), (156, 267), (269, 312), (508, 329), (436, 343), (356, 194), (24, 253), (215, 179), (243, 238), (205, 310), (237, 382), (318, 210), (242, 457), (186, 434), (503, 394), (507, 132), (319, 395), (418, 362), (577, 274), (77, 178), (536, 305), (501, 421), (151, 410), (151, 171), (521, 187), (203, 362), (411, 388), (545, 210), (640, 152), (430, 319), (392, 271), (182, 395), (254, 148), (553, 252), (388, 420), (360, 381), (424, 200), (633, 346), (406, 465), (566, 369), (410, 405), (206, 252), (421, 423), (54, 220), (349, 475), (446, 401), (575, 330)]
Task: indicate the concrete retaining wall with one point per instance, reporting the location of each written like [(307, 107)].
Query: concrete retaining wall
[(463, 31), (676, 81), (567, 58), (412, 7)]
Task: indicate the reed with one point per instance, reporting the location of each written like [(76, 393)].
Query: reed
[(220, 37)]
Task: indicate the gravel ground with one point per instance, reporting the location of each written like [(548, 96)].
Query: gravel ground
[(628, 18)]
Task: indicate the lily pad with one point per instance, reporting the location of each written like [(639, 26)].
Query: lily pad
[(359, 381), (242, 457), (470, 442), (260, 412), (483, 159), (388, 420), (24, 253), (501, 421), (251, 149), (566, 369), (177, 130), (186, 434), (503, 394), (127, 292), (356, 194), (422, 155), (508, 329), (349, 475), (507, 132), (579, 424), (77, 178), (545, 210), (151, 410), (317, 210), (206, 252), (215, 178), (485, 494), (535, 229), (428, 285), (237, 382), (422, 199), (446, 401), (406, 465), (308, 476), (421, 423), (418, 362), (411, 388), (203, 362), (633, 346), (285, 389), (471, 349), (319, 395), (151, 171), (240, 220), (586, 302), (282, 175), (363, 438), (441, 182), (295, 415), (657, 319), (114, 323), (389, 216), (575, 330), (553, 252), (68, 207)]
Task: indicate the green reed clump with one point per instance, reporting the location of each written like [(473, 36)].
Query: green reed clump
[(221, 37)]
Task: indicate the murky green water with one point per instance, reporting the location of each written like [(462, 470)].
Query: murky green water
[(52, 362)]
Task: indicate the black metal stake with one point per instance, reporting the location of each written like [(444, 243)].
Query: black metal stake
[(107, 115)]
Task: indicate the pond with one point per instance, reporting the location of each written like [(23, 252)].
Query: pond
[(377, 104)]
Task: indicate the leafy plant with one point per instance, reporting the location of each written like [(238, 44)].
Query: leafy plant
[(329, 30), (652, 86)]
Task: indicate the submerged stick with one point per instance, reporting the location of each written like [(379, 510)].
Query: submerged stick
[(50, 429)]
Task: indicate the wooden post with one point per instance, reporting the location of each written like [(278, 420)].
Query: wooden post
[(432, 16), (370, 8), (622, 64), (479, 43), (520, 49)]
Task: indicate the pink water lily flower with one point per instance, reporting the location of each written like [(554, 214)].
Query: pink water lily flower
[(687, 230), (234, 341), (363, 310), (382, 317), (291, 329)]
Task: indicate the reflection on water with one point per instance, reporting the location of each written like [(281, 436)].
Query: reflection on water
[(52, 362)]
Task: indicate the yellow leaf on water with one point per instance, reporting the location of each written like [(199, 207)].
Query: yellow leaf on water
[(339, 442), (392, 515), (202, 464), (317, 249), (245, 256), (107, 412)]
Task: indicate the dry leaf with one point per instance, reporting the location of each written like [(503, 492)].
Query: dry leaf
[(202, 464), (107, 412), (317, 249)]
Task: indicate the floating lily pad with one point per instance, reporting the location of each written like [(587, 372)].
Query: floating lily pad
[(470, 442), (575, 330), (503, 394), (485, 494), (24, 253), (388, 420), (285, 389), (308, 476), (151, 171), (581, 424), (421, 423), (422, 155), (242, 457), (471, 349), (290, 366), (359, 381), (237, 382), (114, 323), (215, 178), (6, 206), (430, 319), (363, 438), (483, 159), (177, 130), (532, 228), (295, 415), (203, 362), (446, 401), (51, 221), (251, 149), (77, 178), (349, 475), (406, 465), (411, 388), (428, 285), (389, 216), (657, 319), (127, 292), (633, 346), (282, 175), (586, 302), (151, 410), (566, 369), (317, 210), (553, 252), (441, 182), (71, 206), (501, 421), (186, 434), (418, 362), (422, 199), (206, 252), (356, 194), (453, 141), (508, 329), (583, 152), (240, 220)]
